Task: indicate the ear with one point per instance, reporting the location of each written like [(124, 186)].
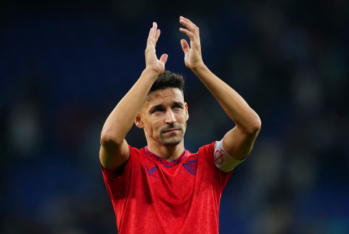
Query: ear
[(186, 111), (138, 121)]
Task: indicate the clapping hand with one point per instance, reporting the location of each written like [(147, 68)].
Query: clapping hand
[(192, 54), (151, 60)]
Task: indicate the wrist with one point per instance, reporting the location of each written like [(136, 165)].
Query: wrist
[(198, 68), (150, 72)]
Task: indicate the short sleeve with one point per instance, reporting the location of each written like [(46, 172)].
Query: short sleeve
[(118, 185), (222, 159), (220, 177)]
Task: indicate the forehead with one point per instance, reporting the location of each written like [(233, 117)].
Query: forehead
[(164, 97)]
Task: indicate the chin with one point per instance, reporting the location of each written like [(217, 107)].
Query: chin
[(172, 141)]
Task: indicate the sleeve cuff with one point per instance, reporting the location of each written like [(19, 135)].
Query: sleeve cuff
[(223, 160)]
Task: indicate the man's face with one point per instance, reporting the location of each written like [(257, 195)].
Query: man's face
[(164, 116)]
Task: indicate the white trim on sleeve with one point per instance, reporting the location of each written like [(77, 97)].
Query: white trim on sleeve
[(222, 160)]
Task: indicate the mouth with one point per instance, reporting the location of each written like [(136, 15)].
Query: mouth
[(172, 130)]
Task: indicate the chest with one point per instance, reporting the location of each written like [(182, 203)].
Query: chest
[(172, 182)]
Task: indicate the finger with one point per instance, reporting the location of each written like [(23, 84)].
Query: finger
[(185, 46), (188, 33), (188, 22), (190, 25), (155, 26), (163, 58), (157, 36), (151, 36)]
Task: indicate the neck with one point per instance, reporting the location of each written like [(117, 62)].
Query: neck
[(170, 152)]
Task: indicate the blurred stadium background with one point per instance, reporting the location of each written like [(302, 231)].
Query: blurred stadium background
[(64, 65)]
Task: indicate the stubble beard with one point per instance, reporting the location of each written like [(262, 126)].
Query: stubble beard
[(171, 139)]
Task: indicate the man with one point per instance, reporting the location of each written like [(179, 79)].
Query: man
[(164, 188)]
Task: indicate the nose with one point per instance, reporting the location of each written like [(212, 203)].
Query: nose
[(170, 117)]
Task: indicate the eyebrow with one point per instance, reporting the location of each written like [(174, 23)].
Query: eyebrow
[(178, 103), (156, 107), (162, 106)]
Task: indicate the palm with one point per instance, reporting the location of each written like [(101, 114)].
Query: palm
[(192, 57), (154, 63), (192, 54), (187, 59)]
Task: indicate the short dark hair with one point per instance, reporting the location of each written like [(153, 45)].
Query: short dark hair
[(168, 80)]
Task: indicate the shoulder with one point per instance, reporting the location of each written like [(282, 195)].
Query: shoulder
[(135, 152), (206, 152), (135, 155), (206, 149)]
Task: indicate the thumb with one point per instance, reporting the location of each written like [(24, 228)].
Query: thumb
[(163, 58), (185, 46)]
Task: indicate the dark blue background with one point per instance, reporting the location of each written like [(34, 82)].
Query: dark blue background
[(64, 65)]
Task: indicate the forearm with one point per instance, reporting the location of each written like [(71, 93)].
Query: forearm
[(121, 119), (232, 103)]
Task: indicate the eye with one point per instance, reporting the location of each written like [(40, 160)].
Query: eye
[(157, 111), (178, 107)]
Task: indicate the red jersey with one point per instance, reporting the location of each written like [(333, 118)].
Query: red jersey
[(157, 196)]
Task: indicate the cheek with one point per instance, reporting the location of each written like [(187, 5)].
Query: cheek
[(153, 127), (182, 117)]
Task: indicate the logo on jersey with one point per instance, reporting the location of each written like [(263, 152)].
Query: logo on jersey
[(152, 170), (218, 156), (191, 166)]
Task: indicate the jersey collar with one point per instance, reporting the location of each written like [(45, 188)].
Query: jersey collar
[(166, 163)]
